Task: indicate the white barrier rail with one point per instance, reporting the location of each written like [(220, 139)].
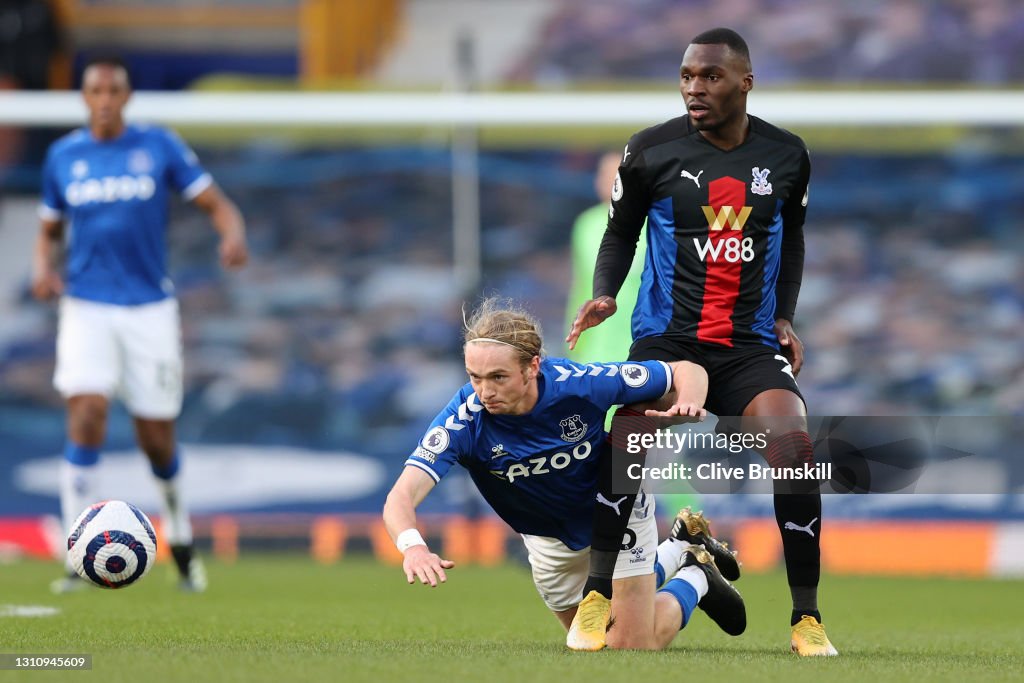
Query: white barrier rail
[(861, 108)]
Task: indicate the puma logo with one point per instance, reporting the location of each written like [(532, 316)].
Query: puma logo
[(694, 178), (614, 506), (793, 526)]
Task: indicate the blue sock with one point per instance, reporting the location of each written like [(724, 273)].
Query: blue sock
[(81, 455), (168, 471), (685, 595), (659, 572), (79, 474)]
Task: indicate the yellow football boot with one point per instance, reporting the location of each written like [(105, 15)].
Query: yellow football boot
[(809, 639), (590, 623)]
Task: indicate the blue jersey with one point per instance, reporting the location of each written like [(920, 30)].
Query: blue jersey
[(539, 470), (114, 196)]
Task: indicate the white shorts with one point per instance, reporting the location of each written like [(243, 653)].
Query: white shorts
[(560, 573), (133, 352)]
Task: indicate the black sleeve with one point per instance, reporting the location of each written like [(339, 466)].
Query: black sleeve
[(626, 216), (791, 266), (613, 262)]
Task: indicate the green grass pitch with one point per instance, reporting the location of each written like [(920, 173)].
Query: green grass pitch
[(284, 618)]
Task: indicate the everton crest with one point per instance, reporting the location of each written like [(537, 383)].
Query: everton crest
[(573, 429)]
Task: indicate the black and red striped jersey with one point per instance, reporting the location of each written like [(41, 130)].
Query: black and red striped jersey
[(718, 224)]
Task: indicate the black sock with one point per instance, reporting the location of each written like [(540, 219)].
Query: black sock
[(602, 567), (608, 527), (182, 555), (798, 514), (799, 614), (616, 494)]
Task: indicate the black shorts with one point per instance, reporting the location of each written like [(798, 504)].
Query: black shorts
[(735, 375)]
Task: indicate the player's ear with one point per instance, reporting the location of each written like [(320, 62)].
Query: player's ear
[(748, 82), (533, 368)]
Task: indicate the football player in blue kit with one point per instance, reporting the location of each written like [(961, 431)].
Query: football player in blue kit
[(528, 430), (119, 329)]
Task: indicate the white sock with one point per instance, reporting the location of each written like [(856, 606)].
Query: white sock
[(174, 511), (78, 490), (696, 578), (671, 554)]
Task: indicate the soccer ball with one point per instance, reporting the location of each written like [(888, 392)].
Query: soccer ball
[(112, 544)]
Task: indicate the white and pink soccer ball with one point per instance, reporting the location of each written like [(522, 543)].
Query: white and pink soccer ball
[(112, 544)]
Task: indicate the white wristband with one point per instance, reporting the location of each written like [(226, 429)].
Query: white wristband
[(408, 539)]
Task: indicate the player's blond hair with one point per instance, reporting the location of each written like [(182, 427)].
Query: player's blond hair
[(501, 321)]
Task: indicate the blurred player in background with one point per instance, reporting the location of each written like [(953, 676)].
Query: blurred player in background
[(613, 339), (528, 430), (119, 329), (724, 195)]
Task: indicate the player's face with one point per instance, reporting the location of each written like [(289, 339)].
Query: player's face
[(106, 91), (504, 385), (714, 82)]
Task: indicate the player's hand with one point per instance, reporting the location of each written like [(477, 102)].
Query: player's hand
[(233, 252), (47, 285), (428, 567), (680, 413), (592, 312), (792, 347)]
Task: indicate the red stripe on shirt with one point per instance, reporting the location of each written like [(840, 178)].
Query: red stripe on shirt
[(722, 282)]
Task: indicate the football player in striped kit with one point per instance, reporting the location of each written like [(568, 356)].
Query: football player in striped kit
[(724, 196)]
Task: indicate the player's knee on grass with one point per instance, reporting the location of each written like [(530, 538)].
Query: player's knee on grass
[(624, 639), (668, 619), (632, 626)]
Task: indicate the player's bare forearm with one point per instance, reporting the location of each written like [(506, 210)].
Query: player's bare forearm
[(400, 520), (690, 382), (46, 280), (689, 391), (399, 512), (227, 220), (47, 241)]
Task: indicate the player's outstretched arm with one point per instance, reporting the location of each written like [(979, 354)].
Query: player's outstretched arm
[(46, 280), (412, 487), (228, 222), (689, 391), (792, 347), (593, 312)]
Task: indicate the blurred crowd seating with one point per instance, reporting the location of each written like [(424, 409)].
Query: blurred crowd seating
[(345, 329), (919, 41)]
